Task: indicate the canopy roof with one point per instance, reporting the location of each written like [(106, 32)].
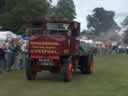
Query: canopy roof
[(4, 35)]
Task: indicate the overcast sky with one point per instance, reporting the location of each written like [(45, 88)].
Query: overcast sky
[(84, 7)]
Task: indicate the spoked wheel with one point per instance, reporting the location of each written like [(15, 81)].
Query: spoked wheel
[(86, 64), (91, 65), (83, 62), (33, 76), (67, 71), (30, 75)]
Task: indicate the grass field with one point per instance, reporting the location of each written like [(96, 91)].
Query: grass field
[(110, 79)]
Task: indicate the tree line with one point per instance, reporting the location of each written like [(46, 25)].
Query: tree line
[(14, 12)]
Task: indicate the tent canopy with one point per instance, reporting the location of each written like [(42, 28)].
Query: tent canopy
[(4, 35)]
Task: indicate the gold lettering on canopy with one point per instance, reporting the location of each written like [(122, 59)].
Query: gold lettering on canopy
[(43, 47), (43, 51), (44, 43)]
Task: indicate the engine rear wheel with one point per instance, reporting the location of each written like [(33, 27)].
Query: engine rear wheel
[(86, 64)]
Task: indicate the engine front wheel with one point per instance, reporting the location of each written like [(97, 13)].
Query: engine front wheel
[(30, 75), (91, 65), (67, 71)]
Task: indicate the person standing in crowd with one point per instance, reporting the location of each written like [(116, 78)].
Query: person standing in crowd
[(8, 53), (19, 53), (127, 50), (1, 59), (12, 48), (3, 63), (24, 51)]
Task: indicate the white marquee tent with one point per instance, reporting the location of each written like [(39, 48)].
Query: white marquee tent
[(7, 34), (4, 35)]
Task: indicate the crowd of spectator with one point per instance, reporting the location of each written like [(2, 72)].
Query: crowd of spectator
[(108, 50), (11, 55)]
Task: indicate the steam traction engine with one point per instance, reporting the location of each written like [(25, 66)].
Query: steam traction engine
[(54, 46)]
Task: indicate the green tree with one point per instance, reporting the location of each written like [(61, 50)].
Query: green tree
[(125, 39), (65, 9), (2, 3), (125, 25), (16, 11), (88, 34), (101, 21), (51, 11), (125, 22)]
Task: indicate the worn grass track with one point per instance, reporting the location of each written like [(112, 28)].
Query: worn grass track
[(110, 79)]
